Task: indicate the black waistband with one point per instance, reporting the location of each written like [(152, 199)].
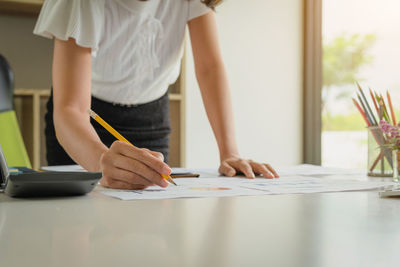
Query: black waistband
[(131, 105)]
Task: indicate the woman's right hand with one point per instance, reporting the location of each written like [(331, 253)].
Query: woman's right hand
[(127, 167)]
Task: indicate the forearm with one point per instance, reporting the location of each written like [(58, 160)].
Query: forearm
[(78, 137), (217, 101), (71, 97)]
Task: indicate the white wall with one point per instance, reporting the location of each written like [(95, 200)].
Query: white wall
[(261, 42)]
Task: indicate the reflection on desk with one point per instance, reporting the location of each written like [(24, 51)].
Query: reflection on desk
[(334, 229)]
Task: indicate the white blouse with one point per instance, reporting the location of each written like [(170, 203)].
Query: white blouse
[(137, 46)]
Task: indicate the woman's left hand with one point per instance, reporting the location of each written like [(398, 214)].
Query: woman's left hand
[(232, 165)]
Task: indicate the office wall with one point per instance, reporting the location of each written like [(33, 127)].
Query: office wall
[(262, 47), (30, 56)]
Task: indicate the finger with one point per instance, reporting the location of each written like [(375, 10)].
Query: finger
[(111, 183), (126, 177), (137, 167), (276, 175), (226, 169), (261, 169), (142, 155), (156, 154), (244, 167), (126, 163)]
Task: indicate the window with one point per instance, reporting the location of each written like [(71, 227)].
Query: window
[(360, 42)]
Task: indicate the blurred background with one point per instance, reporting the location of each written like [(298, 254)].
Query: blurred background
[(360, 43), (264, 45)]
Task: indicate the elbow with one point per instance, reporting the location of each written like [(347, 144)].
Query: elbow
[(63, 117), (58, 122), (210, 69)]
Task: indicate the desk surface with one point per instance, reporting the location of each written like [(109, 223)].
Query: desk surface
[(331, 229)]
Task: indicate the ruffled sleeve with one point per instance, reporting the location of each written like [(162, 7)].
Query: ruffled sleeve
[(78, 19), (197, 9)]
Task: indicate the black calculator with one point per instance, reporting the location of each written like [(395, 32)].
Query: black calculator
[(45, 184)]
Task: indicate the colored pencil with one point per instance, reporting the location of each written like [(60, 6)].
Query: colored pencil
[(368, 109), (373, 100), (371, 122), (385, 111), (117, 135), (379, 139), (391, 108), (362, 112), (376, 161), (377, 100), (381, 110)]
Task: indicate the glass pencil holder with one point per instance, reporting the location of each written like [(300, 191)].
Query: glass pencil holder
[(380, 158), (396, 165)]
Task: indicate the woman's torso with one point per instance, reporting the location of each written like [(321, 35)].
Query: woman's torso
[(136, 45), (139, 50)]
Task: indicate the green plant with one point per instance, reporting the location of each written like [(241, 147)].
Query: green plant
[(344, 56)]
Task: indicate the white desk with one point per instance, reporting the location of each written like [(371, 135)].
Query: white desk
[(332, 229)]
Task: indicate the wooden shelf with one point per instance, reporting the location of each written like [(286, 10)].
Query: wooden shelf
[(30, 92), (46, 93), (175, 97), (21, 7)]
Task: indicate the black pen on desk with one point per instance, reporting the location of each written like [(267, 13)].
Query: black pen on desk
[(185, 175)]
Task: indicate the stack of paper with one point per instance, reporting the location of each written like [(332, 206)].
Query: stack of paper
[(299, 179), (225, 187)]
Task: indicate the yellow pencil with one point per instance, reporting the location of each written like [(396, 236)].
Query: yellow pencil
[(117, 135)]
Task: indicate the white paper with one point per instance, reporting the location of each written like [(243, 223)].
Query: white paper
[(225, 187), (187, 188), (299, 179), (302, 185), (64, 168), (318, 171)]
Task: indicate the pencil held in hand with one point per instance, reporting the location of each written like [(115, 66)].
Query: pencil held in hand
[(117, 135)]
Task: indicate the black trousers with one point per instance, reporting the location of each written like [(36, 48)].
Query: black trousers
[(145, 126)]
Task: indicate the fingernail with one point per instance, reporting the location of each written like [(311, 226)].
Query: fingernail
[(166, 171), (164, 183)]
